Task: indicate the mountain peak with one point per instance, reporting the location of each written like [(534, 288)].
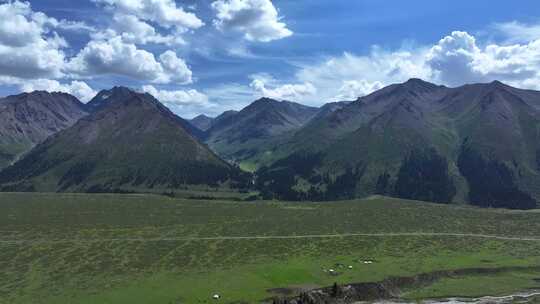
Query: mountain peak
[(496, 84), (262, 103), (41, 94), (414, 89), (202, 122), (419, 83), (126, 98), (264, 100), (202, 116), (229, 112), (264, 118), (117, 93), (416, 80), (279, 103), (42, 97), (36, 93), (493, 87)]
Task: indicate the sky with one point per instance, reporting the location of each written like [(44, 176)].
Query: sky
[(209, 56)]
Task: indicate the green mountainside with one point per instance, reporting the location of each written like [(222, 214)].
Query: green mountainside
[(397, 135)]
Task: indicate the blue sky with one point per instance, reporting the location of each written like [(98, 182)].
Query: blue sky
[(214, 55)]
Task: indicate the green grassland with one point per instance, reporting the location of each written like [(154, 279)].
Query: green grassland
[(478, 286), (132, 248)]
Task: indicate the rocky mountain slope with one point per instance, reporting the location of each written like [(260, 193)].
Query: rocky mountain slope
[(104, 97), (29, 118)]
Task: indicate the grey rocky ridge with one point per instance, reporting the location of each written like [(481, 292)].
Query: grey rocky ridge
[(29, 118)]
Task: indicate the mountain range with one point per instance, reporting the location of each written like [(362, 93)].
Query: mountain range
[(128, 142), (478, 143), (484, 138)]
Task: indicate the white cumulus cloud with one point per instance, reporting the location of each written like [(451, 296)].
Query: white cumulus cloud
[(29, 48), (188, 103), (177, 97), (134, 30), (518, 32), (143, 22), (163, 12), (352, 89), (258, 20), (114, 56), (457, 59), (266, 86), (175, 69), (350, 76)]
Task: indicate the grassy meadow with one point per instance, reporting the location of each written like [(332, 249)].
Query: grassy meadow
[(112, 248)]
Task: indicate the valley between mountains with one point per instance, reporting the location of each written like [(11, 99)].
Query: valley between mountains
[(477, 144), (269, 152), (404, 194)]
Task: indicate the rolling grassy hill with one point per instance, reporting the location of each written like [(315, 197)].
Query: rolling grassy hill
[(110, 248)]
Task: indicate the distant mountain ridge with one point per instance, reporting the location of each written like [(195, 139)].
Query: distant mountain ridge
[(29, 118), (237, 135), (202, 122), (268, 116), (224, 116), (329, 108)]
